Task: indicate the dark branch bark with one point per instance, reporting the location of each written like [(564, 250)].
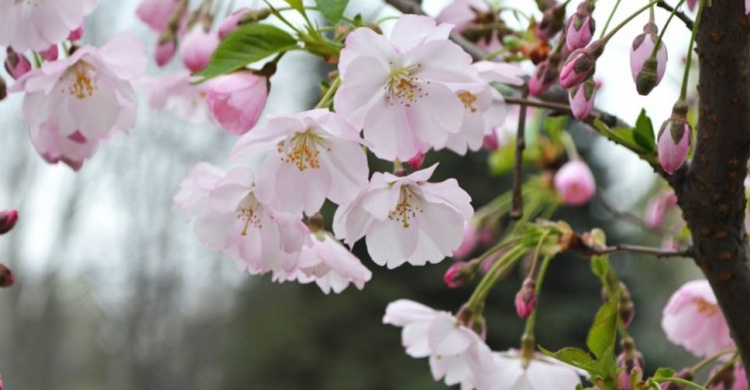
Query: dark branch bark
[(680, 15), (710, 190)]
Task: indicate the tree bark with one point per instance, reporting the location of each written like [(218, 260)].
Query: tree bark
[(710, 189)]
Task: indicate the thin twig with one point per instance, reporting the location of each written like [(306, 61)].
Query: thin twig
[(516, 211), (539, 104), (680, 15), (647, 250), (626, 216)]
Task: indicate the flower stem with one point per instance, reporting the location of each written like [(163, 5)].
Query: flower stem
[(609, 19), (529, 329), (683, 90), (490, 278), (326, 99), (664, 28), (622, 24), (707, 361)]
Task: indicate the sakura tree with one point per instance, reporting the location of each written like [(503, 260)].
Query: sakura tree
[(298, 190)]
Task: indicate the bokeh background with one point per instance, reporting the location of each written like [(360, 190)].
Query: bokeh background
[(114, 292)]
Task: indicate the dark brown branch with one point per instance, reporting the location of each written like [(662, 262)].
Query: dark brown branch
[(680, 15), (516, 211), (625, 216), (646, 250)]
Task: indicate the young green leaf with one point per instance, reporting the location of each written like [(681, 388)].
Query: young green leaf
[(296, 4), (333, 10), (247, 44), (574, 356), (663, 373), (643, 133), (602, 333)]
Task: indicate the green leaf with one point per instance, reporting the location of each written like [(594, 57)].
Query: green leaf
[(624, 136), (573, 356), (296, 4), (600, 266), (247, 44), (606, 366), (663, 373), (643, 133), (601, 336), (333, 10)]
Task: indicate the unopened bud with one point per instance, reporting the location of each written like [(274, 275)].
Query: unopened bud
[(580, 27), (8, 219), (544, 76), (580, 65), (582, 99), (553, 21), (648, 67), (50, 54), (526, 298), (165, 48), (16, 64), (6, 277), (458, 274), (232, 22), (673, 141)]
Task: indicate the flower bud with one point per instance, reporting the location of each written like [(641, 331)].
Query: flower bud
[(8, 219), (231, 22), (416, 162), (237, 99), (197, 48), (580, 27), (574, 183), (526, 299), (582, 99), (458, 274), (691, 5), (553, 21), (76, 34), (50, 54), (165, 49), (545, 75), (16, 64), (580, 65), (647, 69), (6, 277), (673, 141), (632, 363)]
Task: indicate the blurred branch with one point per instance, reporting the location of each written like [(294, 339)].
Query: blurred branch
[(626, 216), (516, 211), (646, 250), (680, 15)]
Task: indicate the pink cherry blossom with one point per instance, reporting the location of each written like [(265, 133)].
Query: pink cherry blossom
[(331, 265), (175, 93), (693, 319), (734, 379), (313, 150), (38, 24), (74, 103), (457, 354), (456, 275), (237, 100), (396, 88), (197, 47), (228, 218), (542, 373), (406, 219), (747, 6), (580, 27), (157, 13), (574, 183)]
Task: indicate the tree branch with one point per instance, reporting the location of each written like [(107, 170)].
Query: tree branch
[(680, 15), (516, 211), (646, 250)]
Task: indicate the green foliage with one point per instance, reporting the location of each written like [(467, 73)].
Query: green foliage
[(248, 44), (602, 333), (333, 10), (626, 137), (663, 373), (296, 4), (643, 133)]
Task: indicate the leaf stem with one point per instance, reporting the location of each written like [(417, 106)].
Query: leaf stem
[(683, 90)]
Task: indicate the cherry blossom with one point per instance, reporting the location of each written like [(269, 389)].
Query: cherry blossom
[(693, 319), (463, 13), (574, 183), (542, 373), (406, 219), (237, 100), (228, 218), (457, 354), (313, 150), (396, 88), (331, 265), (38, 24), (74, 103), (157, 13), (176, 93)]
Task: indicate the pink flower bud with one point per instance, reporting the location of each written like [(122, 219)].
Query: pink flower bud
[(491, 141), (416, 162), (8, 219), (631, 364), (647, 70), (16, 64), (580, 65), (674, 139), (231, 22), (658, 207), (691, 4), (582, 99), (526, 299), (237, 100), (580, 27), (50, 54), (197, 48), (6, 280), (574, 183), (458, 275), (553, 21), (76, 34), (165, 50), (544, 76)]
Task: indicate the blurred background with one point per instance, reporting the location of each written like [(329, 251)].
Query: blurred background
[(113, 291)]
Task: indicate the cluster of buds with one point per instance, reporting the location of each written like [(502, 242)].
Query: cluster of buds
[(674, 139)]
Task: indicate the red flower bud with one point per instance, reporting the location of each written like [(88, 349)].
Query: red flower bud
[(458, 274), (526, 299), (8, 220)]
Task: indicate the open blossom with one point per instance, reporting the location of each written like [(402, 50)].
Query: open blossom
[(74, 103), (237, 99), (157, 13), (396, 88), (542, 373), (197, 47), (693, 319), (228, 218), (312, 150), (175, 93), (331, 265), (38, 24), (406, 219), (457, 353)]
